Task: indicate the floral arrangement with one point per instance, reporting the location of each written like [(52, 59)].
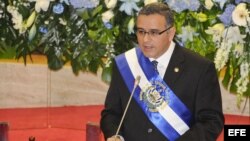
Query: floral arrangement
[(89, 33)]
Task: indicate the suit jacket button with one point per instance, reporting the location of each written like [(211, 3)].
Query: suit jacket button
[(150, 130)]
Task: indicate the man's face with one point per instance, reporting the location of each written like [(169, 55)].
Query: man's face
[(153, 44)]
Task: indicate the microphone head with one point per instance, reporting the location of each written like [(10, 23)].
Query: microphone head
[(137, 79)]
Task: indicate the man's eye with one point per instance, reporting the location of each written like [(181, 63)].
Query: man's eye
[(141, 32), (153, 33)]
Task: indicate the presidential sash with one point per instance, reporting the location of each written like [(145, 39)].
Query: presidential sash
[(162, 107)]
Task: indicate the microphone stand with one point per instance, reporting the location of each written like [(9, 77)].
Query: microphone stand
[(137, 80)]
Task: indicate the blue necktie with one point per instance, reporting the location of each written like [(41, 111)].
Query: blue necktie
[(155, 63)]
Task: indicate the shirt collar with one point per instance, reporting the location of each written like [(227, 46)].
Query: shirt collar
[(164, 59)]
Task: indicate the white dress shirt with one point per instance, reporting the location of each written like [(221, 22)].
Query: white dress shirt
[(164, 59)]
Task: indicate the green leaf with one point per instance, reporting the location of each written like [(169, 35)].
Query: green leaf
[(55, 63), (247, 93), (94, 65), (24, 11), (231, 69), (106, 74), (233, 88), (93, 34), (32, 32), (116, 31), (85, 15), (7, 52), (226, 79), (96, 10), (77, 65)]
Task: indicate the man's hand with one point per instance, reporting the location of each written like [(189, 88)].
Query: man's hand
[(115, 138)]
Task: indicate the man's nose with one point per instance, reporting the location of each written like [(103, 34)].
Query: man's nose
[(146, 37)]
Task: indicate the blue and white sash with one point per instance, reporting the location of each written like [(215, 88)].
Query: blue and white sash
[(163, 108)]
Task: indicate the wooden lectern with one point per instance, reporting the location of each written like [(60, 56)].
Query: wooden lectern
[(93, 132), (4, 128)]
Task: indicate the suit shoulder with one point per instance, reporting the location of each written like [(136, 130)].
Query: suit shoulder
[(194, 57)]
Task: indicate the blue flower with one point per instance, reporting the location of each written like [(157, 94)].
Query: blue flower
[(43, 29), (188, 34), (181, 5), (239, 1), (128, 6), (178, 5), (108, 25), (194, 5), (226, 17), (84, 3), (58, 8)]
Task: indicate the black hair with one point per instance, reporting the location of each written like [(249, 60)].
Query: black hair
[(161, 9)]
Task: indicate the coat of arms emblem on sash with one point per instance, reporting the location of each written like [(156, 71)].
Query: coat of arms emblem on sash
[(155, 96)]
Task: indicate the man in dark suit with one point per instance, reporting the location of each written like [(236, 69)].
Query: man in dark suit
[(177, 98)]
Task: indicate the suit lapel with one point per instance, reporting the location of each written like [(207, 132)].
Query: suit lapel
[(175, 67)]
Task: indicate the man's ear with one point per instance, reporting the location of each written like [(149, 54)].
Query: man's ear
[(171, 33)]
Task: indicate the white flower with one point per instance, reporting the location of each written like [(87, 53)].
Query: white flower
[(222, 2), (149, 1), (128, 6), (46, 22), (239, 50), (131, 25), (244, 69), (110, 3), (216, 31), (41, 5), (62, 21), (221, 57), (209, 4), (242, 85), (106, 16), (232, 35), (240, 15), (17, 19)]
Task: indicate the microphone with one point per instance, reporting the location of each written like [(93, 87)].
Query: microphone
[(136, 83)]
